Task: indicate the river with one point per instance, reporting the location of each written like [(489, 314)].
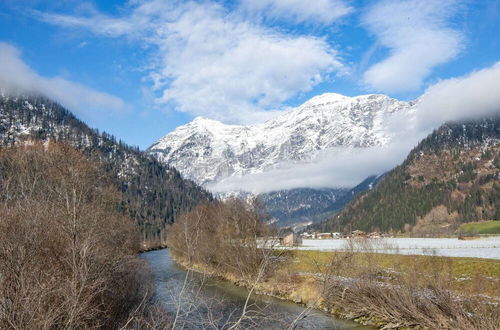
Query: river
[(222, 302)]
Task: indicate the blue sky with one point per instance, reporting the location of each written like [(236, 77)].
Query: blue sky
[(140, 68)]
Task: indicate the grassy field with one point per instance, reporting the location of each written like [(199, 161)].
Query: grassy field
[(484, 227), (472, 275)]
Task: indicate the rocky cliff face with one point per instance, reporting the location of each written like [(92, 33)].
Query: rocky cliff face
[(208, 151)]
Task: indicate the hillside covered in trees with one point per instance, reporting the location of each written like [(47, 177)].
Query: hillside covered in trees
[(451, 177), (299, 206), (153, 194)]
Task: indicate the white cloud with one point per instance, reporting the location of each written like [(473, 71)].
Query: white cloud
[(418, 36), (225, 69), (16, 76), (300, 11), (472, 96), (133, 25), (336, 167), (214, 63)]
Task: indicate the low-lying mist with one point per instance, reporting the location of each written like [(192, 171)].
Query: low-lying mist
[(469, 97)]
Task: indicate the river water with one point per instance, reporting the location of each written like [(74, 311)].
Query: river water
[(209, 303)]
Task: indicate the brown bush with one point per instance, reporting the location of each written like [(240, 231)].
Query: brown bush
[(354, 285), (226, 236), (67, 256)]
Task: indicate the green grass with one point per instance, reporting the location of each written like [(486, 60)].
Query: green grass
[(484, 227)]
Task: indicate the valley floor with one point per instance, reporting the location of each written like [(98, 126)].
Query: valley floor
[(464, 273), (483, 247)]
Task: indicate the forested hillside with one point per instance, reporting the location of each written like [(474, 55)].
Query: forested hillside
[(451, 177), (305, 205), (153, 194)]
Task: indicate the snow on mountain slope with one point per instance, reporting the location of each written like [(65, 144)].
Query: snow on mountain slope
[(208, 151)]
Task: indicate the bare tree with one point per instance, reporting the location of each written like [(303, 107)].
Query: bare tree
[(67, 256), (230, 239)]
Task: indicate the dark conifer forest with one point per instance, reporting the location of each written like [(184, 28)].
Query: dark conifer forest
[(451, 177), (152, 194)]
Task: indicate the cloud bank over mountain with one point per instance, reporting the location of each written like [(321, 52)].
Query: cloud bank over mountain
[(345, 165), (17, 76), (468, 97), (212, 62), (243, 62), (333, 168)]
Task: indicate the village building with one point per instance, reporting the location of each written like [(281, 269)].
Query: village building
[(324, 235), (308, 236), (358, 234), (375, 234), (289, 238)]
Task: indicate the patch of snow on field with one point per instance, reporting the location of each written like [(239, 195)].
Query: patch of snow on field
[(487, 247)]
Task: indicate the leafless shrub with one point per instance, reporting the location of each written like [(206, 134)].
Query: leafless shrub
[(67, 256), (224, 236), (355, 284), (231, 239)]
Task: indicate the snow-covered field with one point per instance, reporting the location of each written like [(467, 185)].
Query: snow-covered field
[(487, 247)]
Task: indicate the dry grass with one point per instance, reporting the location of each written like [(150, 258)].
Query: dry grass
[(465, 273), (404, 291)]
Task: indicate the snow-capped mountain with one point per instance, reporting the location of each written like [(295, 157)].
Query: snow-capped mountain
[(208, 151)]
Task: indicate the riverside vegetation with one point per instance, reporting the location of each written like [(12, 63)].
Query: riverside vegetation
[(387, 291), (67, 252)]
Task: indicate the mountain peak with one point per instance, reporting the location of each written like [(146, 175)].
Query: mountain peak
[(331, 98), (209, 151), (326, 98), (203, 121)]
